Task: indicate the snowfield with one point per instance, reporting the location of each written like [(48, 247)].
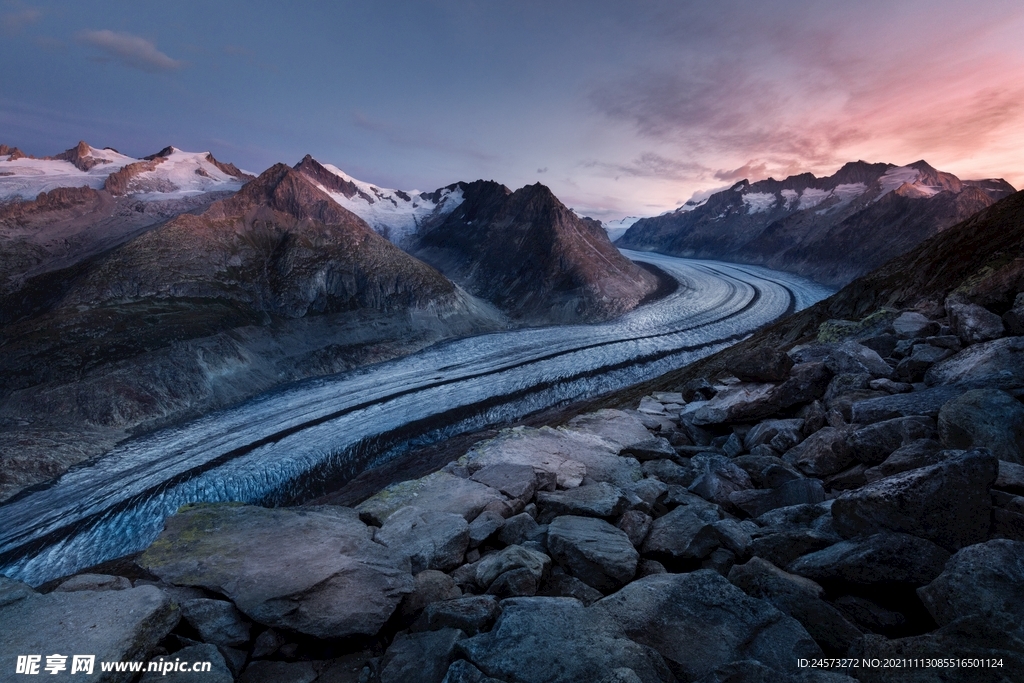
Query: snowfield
[(286, 445)]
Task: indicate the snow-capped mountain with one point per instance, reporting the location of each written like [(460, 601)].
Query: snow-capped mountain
[(832, 229), (395, 214), (618, 228), (167, 174)]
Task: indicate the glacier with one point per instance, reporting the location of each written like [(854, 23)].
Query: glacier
[(296, 442)]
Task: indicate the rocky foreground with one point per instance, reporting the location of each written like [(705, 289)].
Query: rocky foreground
[(858, 496)]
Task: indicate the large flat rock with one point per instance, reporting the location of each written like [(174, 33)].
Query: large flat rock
[(699, 621), (982, 578), (995, 364), (558, 640), (112, 625), (947, 503), (593, 551), (440, 491), (312, 570)]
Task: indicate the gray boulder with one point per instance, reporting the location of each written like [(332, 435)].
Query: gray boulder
[(636, 525), (782, 547), (112, 625), (850, 357), (984, 418), (593, 500), (513, 557), (988, 577), (515, 583), (669, 472), (217, 621), (558, 640), (717, 478), (699, 621), (756, 502), (484, 526), (874, 443), (462, 671), (913, 455), (884, 558), (203, 652), (274, 564), (429, 538), (823, 453), (974, 324), (925, 402), (471, 614), (420, 657), (947, 503), (440, 491), (764, 432), (593, 551), (515, 481), (650, 449), (429, 586), (518, 529), (912, 325), (997, 364), (800, 598), (913, 367), (681, 535), (1011, 477), (562, 585), (807, 382), (738, 403)]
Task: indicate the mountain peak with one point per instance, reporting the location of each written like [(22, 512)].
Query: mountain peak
[(81, 156), (288, 191), (165, 152)]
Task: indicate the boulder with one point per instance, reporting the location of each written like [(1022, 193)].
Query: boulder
[(889, 386), (972, 638), (913, 367), (484, 526), (429, 586), (471, 614), (593, 500), (984, 418), (764, 432), (987, 577), (807, 382), (201, 652), (851, 357), (216, 621), (94, 582), (653, 448), (800, 598), (973, 324), (874, 443), (513, 557), (430, 539), (920, 453), (462, 671), (518, 529), (515, 583), (925, 402), (717, 478), (782, 547), (650, 491), (312, 570), (561, 585), (558, 640), (912, 325), (669, 472), (947, 503), (823, 453), (762, 364), (738, 403), (119, 625), (1011, 477), (680, 535), (1013, 319), (756, 502), (734, 537), (651, 406), (869, 614), (440, 492), (885, 558), (593, 551), (636, 525), (515, 481), (699, 621), (420, 657), (997, 364)]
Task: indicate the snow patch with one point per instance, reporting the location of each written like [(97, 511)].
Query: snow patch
[(790, 197), (759, 201), (811, 197), (895, 177), (394, 214)]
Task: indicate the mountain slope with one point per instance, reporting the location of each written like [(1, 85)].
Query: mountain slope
[(273, 284), (531, 256), (831, 229)]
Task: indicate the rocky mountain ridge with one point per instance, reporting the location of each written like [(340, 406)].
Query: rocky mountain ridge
[(832, 229)]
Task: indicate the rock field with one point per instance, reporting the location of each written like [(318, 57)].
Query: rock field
[(861, 497)]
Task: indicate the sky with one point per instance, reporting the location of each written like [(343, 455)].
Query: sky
[(622, 108)]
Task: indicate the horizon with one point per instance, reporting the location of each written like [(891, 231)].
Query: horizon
[(621, 111)]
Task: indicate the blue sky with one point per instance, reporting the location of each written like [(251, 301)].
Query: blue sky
[(620, 107)]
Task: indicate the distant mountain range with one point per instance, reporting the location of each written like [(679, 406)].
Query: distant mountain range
[(832, 229)]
